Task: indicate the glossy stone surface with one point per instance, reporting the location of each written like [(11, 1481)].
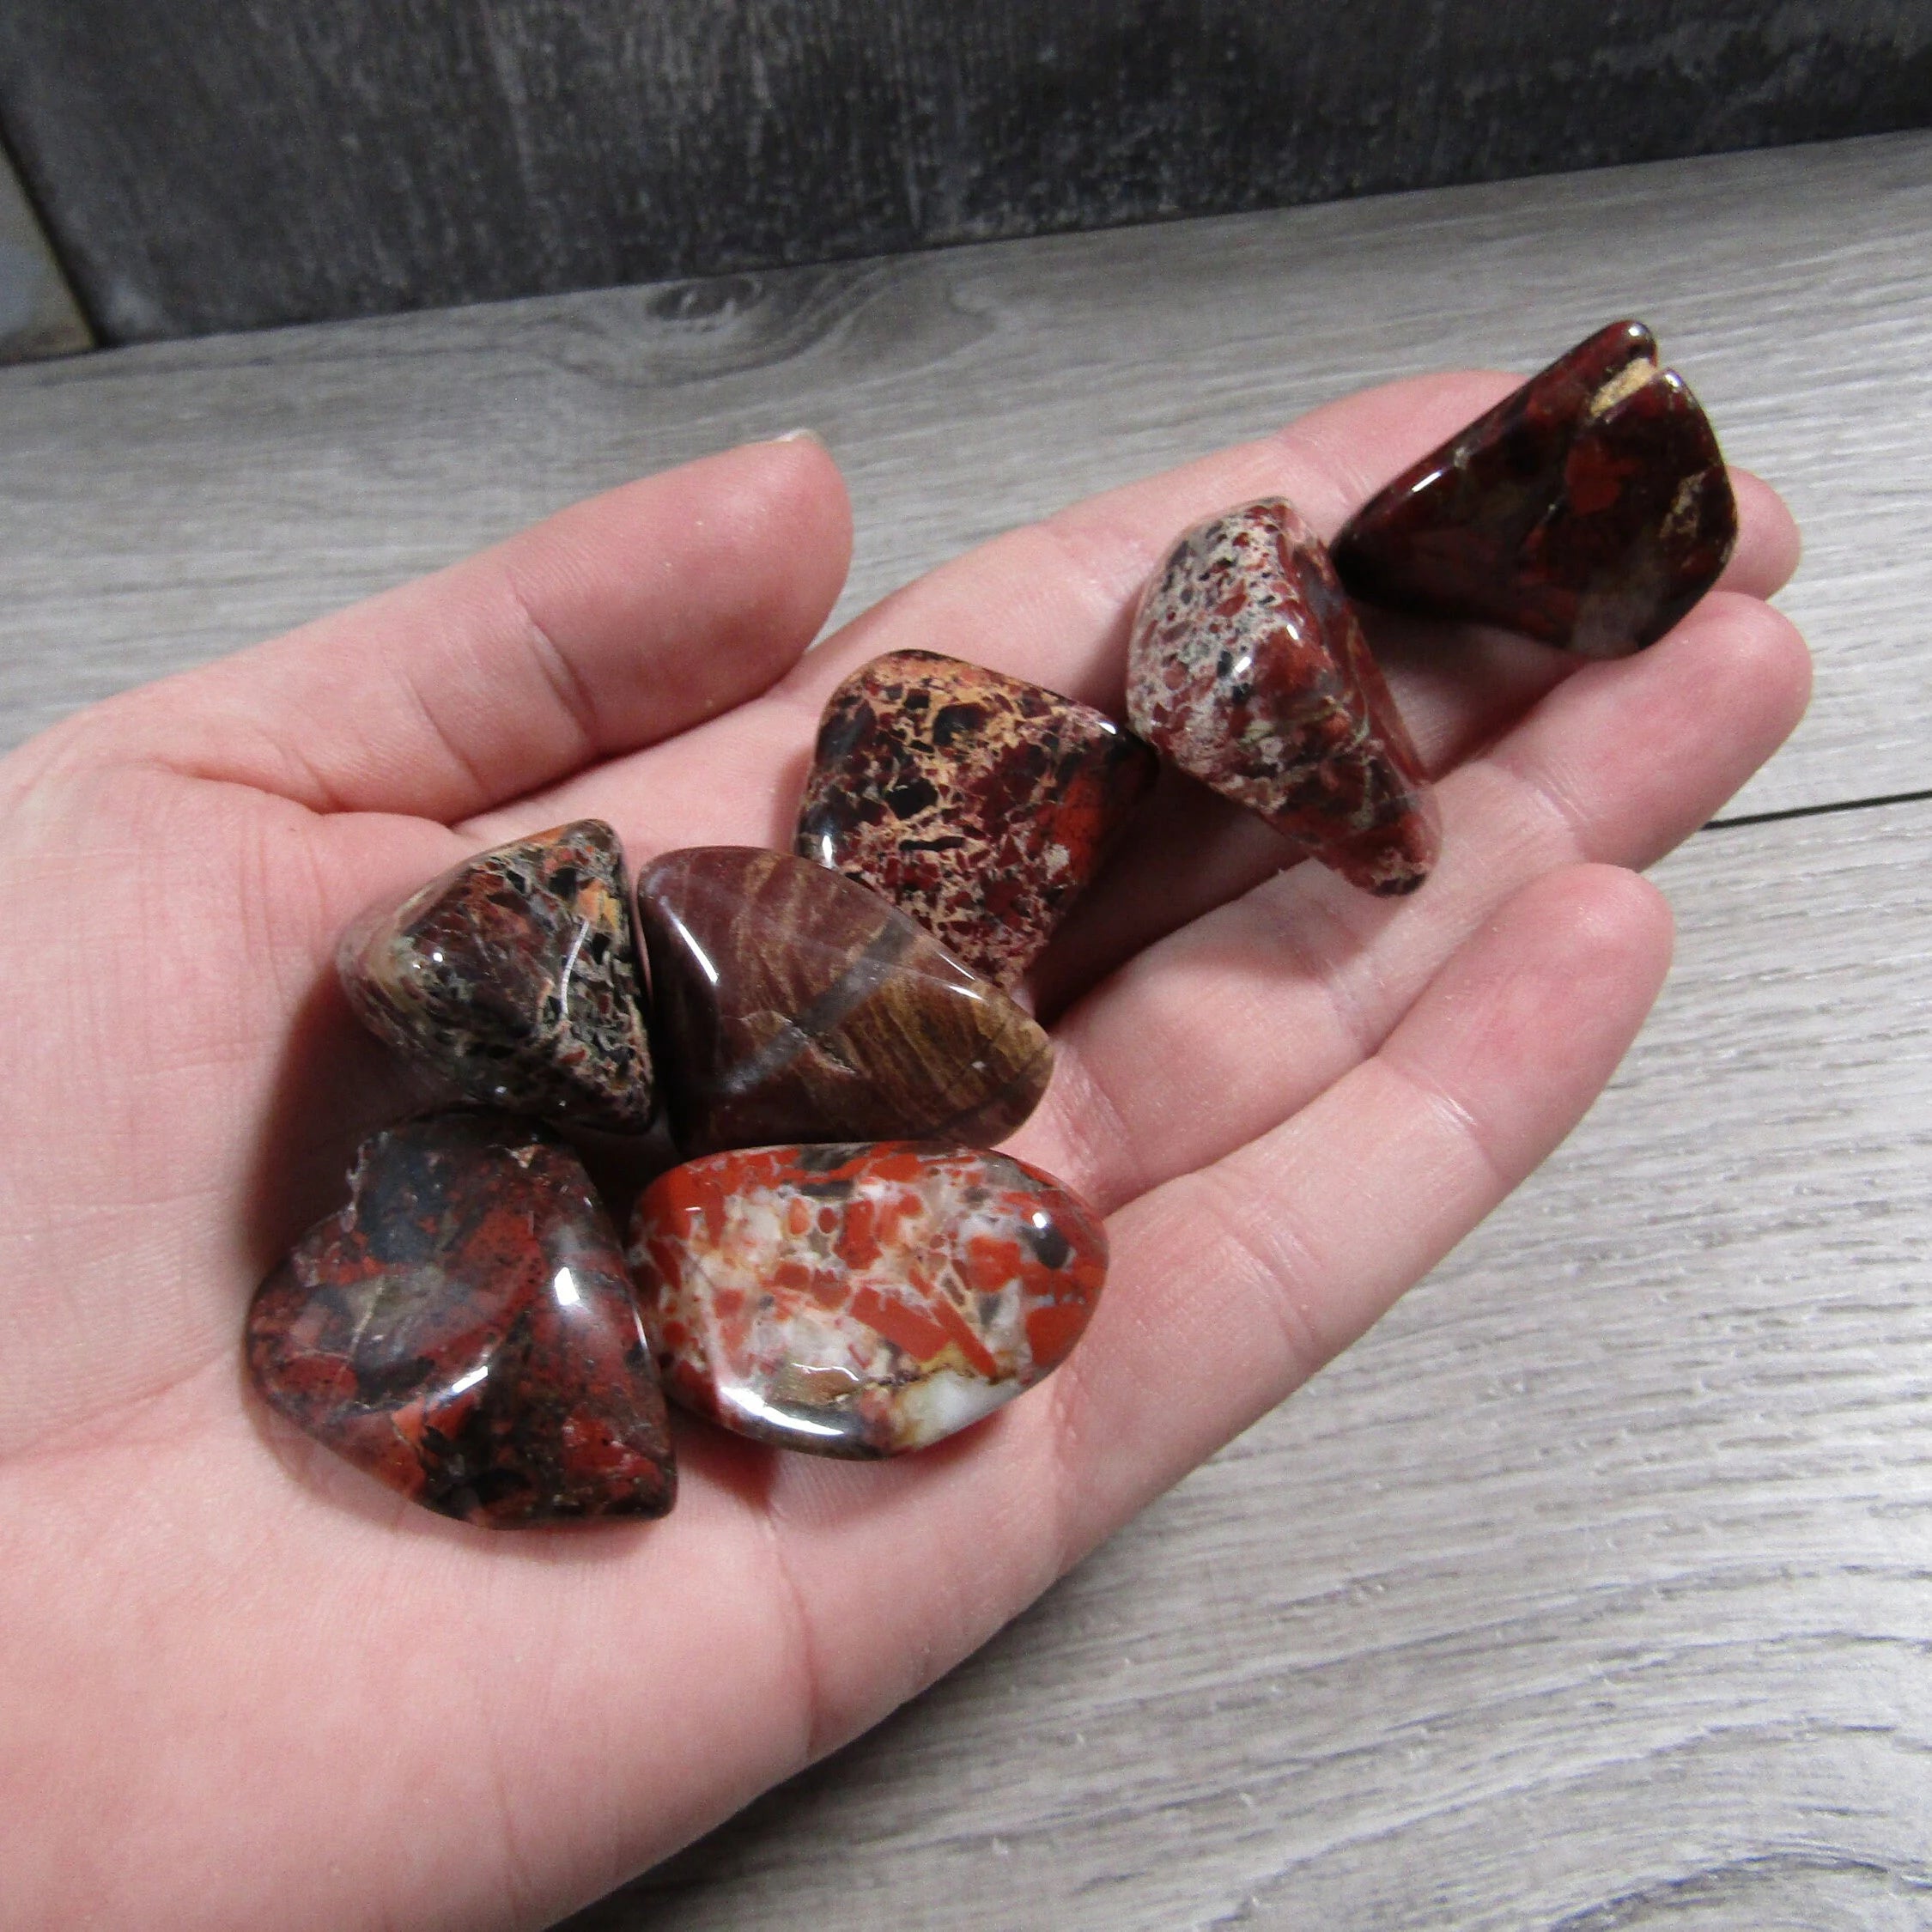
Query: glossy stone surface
[(465, 1330), (793, 1005), (514, 975), (1591, 509), (1247, 669), (981, 805), (860, 1301)]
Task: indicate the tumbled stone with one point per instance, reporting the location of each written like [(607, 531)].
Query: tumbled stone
[(981, 805), (465, 1330), (792, 1005), (515, 976), (860, 1301), (1247, 669), (1591, 509)]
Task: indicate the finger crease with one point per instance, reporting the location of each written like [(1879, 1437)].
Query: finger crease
[(1109, 562), (1286, 904), (804, 1641), (1098, 1133), (1283, 1269), (566, 682), (467, 768), (1463, 1125), (1552, 801), (1068, 1480)]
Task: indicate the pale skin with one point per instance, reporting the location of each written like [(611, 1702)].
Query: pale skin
[(246, 1687)]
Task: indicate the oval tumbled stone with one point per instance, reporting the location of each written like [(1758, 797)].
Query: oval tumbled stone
[(515, 976), (792, 1005), (464, 1329), (861, 1301)]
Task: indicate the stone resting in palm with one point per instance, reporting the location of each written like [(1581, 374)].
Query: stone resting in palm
[(247, 1687)]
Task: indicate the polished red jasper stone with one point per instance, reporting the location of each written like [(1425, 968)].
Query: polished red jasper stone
[(861, 1300), (1591, 509), (979, 803), (465, 1330), (515, 976), (793, 1005), (1247, 669)]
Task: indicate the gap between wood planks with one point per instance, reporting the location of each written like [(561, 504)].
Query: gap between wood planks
[(1816, 811)]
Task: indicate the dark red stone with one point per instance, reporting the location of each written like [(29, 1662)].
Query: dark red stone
[(792, 1005), (513, 976), (981, 805), (464, 1329), (1247, 669), (1591, 509), (861, 1301)]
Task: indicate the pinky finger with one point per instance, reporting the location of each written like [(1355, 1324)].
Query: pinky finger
[(1233, 1284)]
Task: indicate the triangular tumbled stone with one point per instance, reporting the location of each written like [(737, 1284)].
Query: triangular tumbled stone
[(514, 975), (464, 1329), (1247, 669), (1591, 509), (792, 1005), (981, 805), (861, 1301)]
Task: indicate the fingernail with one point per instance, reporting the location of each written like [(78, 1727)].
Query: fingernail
[(804, 436)]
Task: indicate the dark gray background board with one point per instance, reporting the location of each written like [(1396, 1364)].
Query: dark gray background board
[(207, 165), (37, 312)]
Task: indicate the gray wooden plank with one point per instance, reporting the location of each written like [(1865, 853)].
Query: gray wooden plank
[(38, 315), (210, 166), (1594, 1590), (162, 505)]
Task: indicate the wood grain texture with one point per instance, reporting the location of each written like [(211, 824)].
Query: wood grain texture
[(208, 166), (1594, 1590), (163, 505), (37, 316)]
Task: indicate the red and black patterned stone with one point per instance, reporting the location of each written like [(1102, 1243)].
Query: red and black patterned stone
[(1591, 509), (981, 805), (465, 1330), (861, 1301), (792, 1005), (1247, 669), (515, 976)]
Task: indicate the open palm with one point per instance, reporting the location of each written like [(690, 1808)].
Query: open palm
[(246, 1687)]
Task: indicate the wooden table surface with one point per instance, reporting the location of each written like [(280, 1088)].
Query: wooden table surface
[(1595, 1590)]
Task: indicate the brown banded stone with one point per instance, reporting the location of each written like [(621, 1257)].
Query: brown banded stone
[(981, 805), (515, 976), (1591, 509), (792, 1005)]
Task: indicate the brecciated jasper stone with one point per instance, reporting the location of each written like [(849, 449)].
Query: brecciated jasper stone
[(514, 975), (464, 1330), (793, 1005), (979, 803), (860, 1301), (1247, 669), (1589, 509)]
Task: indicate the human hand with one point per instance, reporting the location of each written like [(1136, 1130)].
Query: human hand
[(246, 1686)]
